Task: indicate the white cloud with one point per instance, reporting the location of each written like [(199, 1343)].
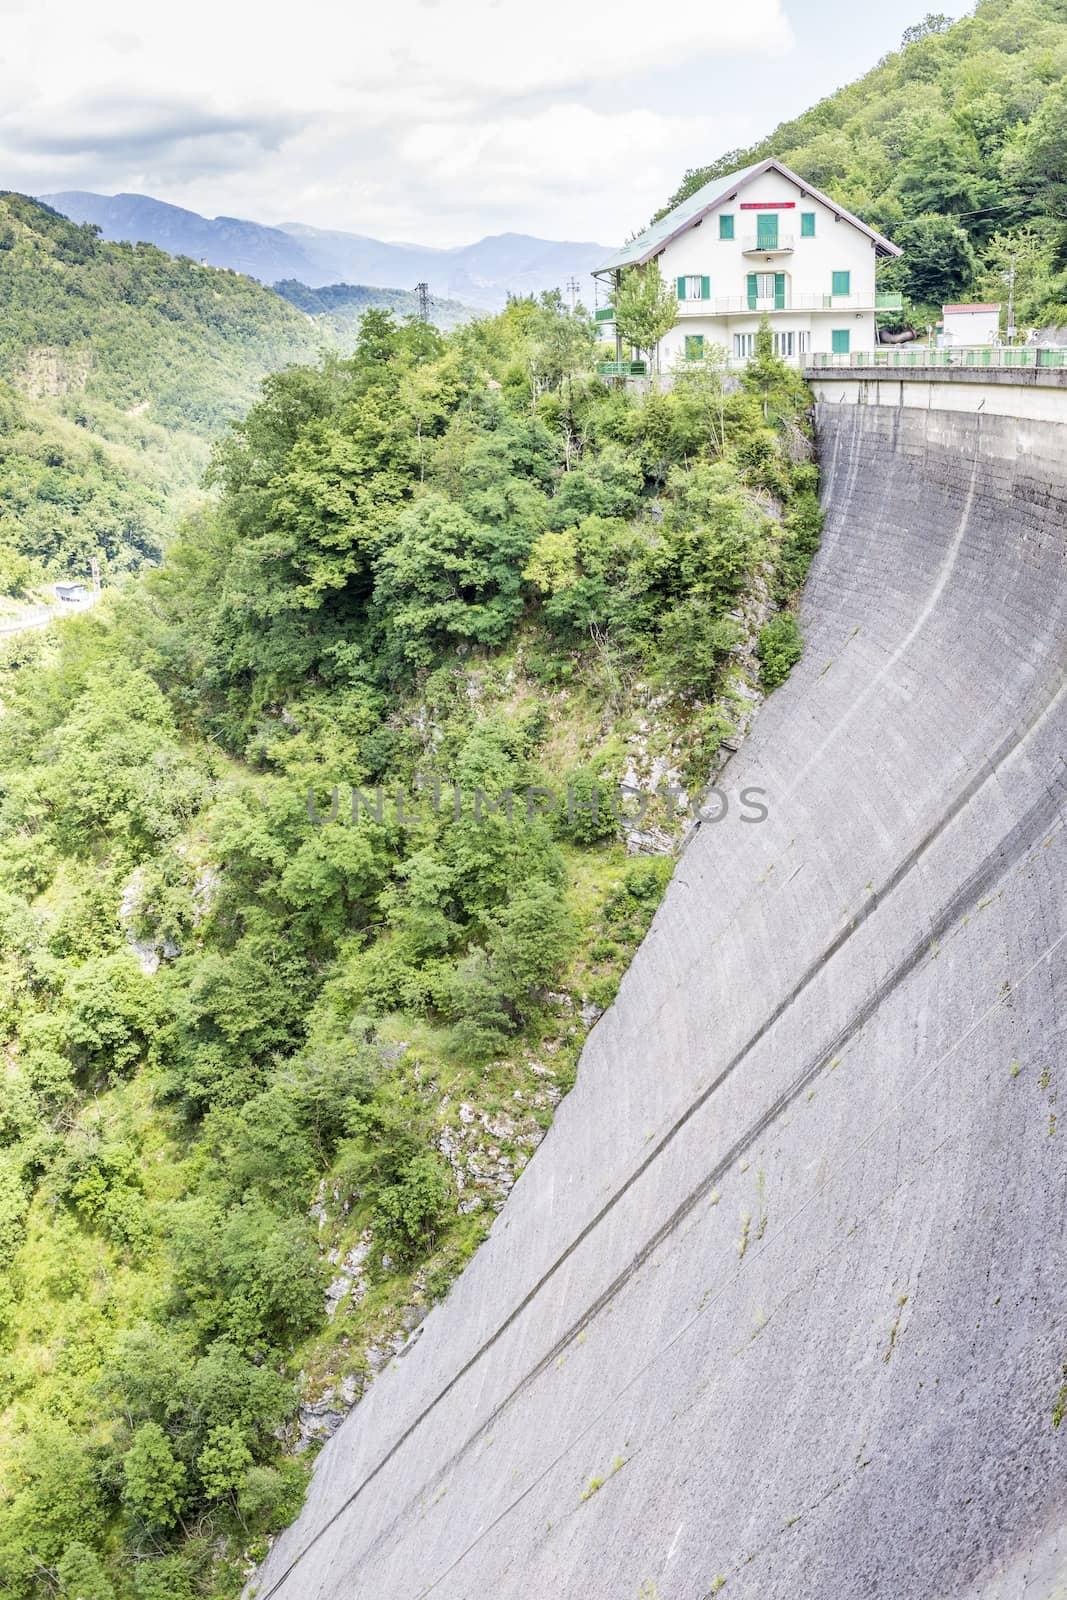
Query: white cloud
[(435, 119), (327, 53)]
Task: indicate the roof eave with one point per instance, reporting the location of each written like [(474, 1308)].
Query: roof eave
[(712, 205), (882, 245)]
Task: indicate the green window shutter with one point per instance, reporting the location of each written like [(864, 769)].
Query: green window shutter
[(841, 283), (807, 224), (681, 288), (779, 291), (694, 347), (752, 291), (839, 341), (726, 225), (705, 288)]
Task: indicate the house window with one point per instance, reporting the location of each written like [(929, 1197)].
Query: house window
[(807, 224), (726, 225), (765, 285), (694, 287), (783, 344), (694, 347), (842, 282), (802, 343), (839, 341), (744, 345)]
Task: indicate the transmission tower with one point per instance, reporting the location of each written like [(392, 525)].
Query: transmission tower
[(423, 292), (572, 289)]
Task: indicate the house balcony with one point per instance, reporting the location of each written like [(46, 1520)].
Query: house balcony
[(622, 369), (743, 304), (783, 245)]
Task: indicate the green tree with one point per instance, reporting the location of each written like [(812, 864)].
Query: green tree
[(153, 1479), (645, 309), (82, 1575), (408, 1211), (933, 22), (223, 1462), (939, 261)]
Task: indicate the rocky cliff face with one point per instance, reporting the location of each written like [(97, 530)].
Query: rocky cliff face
[(778, 1305)]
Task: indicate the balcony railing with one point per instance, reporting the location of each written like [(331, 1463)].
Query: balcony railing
[(961, 356), (729, 305), (752, 245), (622, 369)]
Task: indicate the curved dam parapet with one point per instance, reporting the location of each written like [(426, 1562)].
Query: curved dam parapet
[(778, 1307)]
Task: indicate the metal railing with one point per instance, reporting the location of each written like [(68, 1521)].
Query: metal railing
[(622, 369), (751, 245), (728, 305), (924, 356)]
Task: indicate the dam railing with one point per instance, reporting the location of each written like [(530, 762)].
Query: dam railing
[(1030, 356)]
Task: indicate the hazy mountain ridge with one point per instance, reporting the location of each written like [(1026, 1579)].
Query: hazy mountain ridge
[(340, 306), (480, 274)]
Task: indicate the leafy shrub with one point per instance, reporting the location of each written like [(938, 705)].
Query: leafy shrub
[(408, 1211), (154, 1482), (585, 813), (780, 647)]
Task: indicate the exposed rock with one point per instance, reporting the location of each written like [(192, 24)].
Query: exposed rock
[(148, 951), (317, 1420)]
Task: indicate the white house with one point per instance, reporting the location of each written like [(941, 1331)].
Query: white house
[(759, 241), (970, 324)]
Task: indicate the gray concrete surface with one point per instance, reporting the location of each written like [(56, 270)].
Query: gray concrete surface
[(787, 1274), (1023, 394)]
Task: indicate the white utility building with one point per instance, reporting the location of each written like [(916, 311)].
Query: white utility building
[(973, 324), (759, 241)]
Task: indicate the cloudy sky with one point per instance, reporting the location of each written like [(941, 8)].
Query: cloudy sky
[(430, 120)]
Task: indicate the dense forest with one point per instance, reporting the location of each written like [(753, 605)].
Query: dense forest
[(956, 147), (118, 365), (272, 1061)]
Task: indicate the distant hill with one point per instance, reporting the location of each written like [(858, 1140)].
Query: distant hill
[(481, 274), (118, 365), (264, 253), (131, 326), (339, 306)]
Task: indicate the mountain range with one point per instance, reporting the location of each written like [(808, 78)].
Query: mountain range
[(481, 274)]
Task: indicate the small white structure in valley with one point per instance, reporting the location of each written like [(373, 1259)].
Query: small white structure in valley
[(761, 241), (971, 324)]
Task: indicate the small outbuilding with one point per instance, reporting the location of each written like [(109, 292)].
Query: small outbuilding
[(72, 592), (971, 324)]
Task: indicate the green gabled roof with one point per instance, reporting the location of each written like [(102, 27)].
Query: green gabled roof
[(708, 198), (646, 244)]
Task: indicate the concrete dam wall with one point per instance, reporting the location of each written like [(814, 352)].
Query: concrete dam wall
[(778, 1307)]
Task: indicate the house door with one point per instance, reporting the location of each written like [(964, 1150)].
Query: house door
[(767, 230), (766, 291)]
